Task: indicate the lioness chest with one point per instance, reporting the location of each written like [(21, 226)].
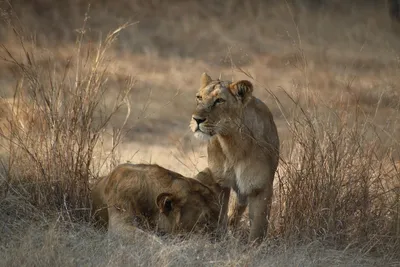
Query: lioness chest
[(243, 170)]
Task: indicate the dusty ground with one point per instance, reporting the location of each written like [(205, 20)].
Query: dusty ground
[(342, 58)]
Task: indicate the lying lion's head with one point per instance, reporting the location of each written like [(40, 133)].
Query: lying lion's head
[(219, 106), (191, 209)]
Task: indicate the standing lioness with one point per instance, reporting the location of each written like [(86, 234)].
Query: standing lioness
[(152, 197), (243, 147)]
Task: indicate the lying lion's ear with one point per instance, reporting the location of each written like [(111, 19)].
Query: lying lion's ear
[(205, 80), (164, 202), (206, 178), (242, 90), (198, 186)]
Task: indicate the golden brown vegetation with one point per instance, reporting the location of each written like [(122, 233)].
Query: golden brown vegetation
[(330, 77)]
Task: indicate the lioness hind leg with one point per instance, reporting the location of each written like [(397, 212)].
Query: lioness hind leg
[(259, 209)]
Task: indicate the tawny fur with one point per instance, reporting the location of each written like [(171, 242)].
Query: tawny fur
[(243, 149), (154, 198)]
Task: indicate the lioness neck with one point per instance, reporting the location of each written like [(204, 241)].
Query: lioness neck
[(255, 129)]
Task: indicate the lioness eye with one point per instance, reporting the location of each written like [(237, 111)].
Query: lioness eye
[(219, 100)]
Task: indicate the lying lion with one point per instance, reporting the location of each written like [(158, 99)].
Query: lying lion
[(145, 196)]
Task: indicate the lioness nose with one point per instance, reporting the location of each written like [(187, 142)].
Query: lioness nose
[(199, 120)]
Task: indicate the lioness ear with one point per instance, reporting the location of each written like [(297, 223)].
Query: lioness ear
[(205, 80), (242, 90), (164, 202)]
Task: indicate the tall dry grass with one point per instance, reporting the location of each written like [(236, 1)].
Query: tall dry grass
[(339, 182), (58, 116), (339, 176)]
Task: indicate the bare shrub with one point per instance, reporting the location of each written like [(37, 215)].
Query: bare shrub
[(56, 121)]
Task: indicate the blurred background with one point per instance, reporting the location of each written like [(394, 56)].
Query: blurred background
[(341, 50)]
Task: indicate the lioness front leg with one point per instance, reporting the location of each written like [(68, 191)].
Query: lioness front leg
[(223, 215), (223, 193), (237, 211), (259, 209)]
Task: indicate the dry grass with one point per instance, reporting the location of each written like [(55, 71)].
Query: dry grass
[(56, 120), (50, 242), (70, 101), (339, 181)]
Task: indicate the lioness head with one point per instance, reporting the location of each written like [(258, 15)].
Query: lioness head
[(192, 209), (219, 106)]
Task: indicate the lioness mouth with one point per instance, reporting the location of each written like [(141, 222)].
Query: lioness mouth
[(202, 135)]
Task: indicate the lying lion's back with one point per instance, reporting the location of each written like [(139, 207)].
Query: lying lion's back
[(138, 175), (142, 182)]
